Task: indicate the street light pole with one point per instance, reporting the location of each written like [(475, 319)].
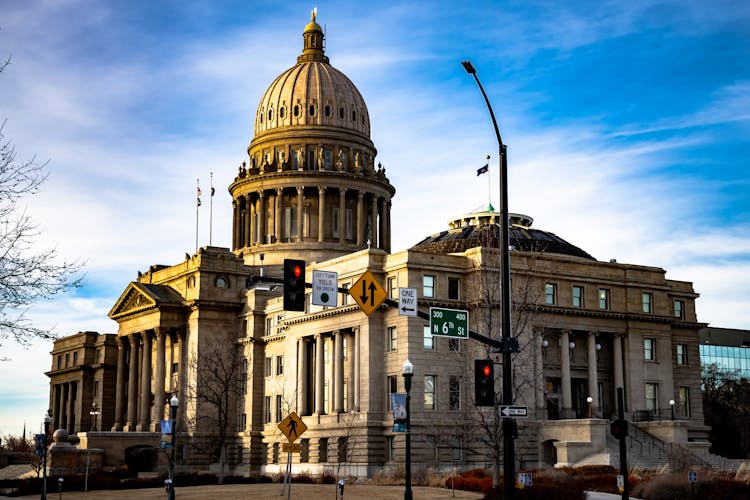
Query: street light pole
[(173, 404), (671, 408), (509, 427), (408, 372), (47, 420)]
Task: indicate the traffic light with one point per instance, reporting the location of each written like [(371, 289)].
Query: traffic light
[(484, 382), (618, 428), (294, 285)]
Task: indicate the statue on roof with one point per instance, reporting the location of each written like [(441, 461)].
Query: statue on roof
[(314, 14)]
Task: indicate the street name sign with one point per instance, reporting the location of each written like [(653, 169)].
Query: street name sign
[(449, 323), (514, 411), (407, 301), (368, 293), (325, 287), (292, 427)]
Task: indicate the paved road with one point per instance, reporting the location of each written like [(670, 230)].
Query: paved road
[(267, 491)]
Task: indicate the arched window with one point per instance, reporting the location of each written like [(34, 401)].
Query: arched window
[(312, 109), (341, 112), (328, 110), (354, 116), (296, 110)]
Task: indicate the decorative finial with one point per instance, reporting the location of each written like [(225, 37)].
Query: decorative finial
[(314, 14)]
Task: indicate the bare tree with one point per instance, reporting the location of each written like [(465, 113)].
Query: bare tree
[(26, 274), (218, 383)]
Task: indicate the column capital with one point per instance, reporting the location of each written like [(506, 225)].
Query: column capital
[(321, 190), (261, 193), (300, 189)]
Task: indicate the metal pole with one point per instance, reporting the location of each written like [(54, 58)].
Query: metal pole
[(173, 410), (623, 448), (508, 424), (47, 419), (407, 386)]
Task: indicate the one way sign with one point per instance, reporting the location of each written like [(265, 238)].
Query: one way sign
[(407, 301)]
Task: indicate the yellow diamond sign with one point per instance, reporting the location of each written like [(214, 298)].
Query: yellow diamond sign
[(368, 293), (292, 426)]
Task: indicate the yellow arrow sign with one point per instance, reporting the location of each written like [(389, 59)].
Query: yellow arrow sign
[(292, 426), (368, 293)]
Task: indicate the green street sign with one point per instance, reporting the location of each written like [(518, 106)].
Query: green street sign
[(449, 323)]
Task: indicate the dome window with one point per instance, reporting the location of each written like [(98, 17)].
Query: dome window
[(261, 118), (354, 116), (328, 110), (270, 115), (312, 110), (282, 112), (341, 112), (296, 110)]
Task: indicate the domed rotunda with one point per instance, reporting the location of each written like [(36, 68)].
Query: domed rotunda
[(311, 188)]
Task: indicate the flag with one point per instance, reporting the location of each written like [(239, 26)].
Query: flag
[(212, 191), (483, 170), (199, 191), (199, 201)]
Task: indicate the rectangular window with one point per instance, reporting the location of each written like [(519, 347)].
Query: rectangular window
[(453, 288), (279, 365), (345, 295), (335, 222), (603, 298), (392, 287), (428, 286), (75, 359), (652, 396), (550, 294), (455, 393), (327, 160), (326, 396), (684, 401), (649, 353), (346, 394), (349, 224), (278, 408), (243, 422), (67, 360), (345, 347), (392, 339), (323, 450), (290, 222), (269, 366), (679, 309), (429, 340), (647, 299), (577, 296), (391, 384), (267, 408), (59, 362), (390, 446), (681, 354), (98, 356), (295, 158), (429, 392), (304, 452)]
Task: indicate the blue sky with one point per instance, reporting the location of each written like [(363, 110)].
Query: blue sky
[(627, 123)]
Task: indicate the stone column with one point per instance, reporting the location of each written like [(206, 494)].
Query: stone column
[(383, 226), (132, 385), (374, 222), (567, 399), (300, 213), (120, 385), (182, 375), (62, 421), (248, 220), (342, 214), (356, 404), (69, 410), (236, 228), (388, 227), (619, 374), (56, 394), (360, 217), (321, 212), (145, 413), (319, 374), (253, 224), (277, 215), (262, 218), (159, 379), (302, 386), (338, 369), (593, 375)]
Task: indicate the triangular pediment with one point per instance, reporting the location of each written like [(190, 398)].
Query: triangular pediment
[(133, 300)]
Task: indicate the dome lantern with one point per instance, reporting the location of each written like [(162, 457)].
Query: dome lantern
[(313, 37)]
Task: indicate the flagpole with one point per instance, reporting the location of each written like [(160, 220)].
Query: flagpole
[(197, 206), (211, 213), (489, 184)]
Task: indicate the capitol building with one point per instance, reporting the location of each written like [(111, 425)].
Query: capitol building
[(212, 330)]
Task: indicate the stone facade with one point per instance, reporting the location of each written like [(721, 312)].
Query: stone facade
[(310, 190)]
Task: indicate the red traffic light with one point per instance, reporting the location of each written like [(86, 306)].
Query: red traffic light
[(486, 370), (297, 271)]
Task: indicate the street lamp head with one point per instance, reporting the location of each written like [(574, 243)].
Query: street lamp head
[(671, 402), (572, 345), (589, 400), (174, 402), (408, 368), (469, 67), (47, 417), (545, 343)]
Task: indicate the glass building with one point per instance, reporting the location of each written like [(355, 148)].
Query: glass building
[(728, 348)]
